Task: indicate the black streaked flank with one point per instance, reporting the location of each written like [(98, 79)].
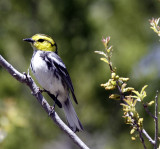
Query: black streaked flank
[(62, 71), (56, 74), (43, 56)]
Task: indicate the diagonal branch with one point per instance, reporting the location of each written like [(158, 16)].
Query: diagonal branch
[(147, 110), (24, 78), (148, 136)]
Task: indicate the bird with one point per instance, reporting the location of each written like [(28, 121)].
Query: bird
[(51, 73)]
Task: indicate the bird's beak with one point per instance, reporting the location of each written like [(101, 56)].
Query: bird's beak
[(29, 40)]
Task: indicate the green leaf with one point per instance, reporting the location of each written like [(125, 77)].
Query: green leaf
[(114, 96), (136, 92), (132, 131), (150, 103), (143, 89), (100, 52), (105, 60), (124, 79), (133, 138)]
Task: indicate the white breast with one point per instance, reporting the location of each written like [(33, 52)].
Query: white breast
[(46, 78)]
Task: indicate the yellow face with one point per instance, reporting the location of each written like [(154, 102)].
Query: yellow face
[(42, 42)]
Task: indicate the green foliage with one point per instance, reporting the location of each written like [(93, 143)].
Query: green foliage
[(129, 96), (76, 26)]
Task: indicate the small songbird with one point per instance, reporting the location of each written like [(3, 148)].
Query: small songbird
[(52, 75)]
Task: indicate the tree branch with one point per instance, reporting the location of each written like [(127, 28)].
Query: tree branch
[(26, 78), (147, 110), (148, 136), (141, 138), (156, 121)]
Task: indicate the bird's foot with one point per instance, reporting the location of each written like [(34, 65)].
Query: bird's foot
[(52, 111), (38, 91), (42, 90)]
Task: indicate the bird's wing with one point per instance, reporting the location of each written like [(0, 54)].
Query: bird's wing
[(55, 60)]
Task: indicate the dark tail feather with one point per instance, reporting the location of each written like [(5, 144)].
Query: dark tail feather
[(71, 116)]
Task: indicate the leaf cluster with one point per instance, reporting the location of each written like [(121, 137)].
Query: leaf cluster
[(127, 96)]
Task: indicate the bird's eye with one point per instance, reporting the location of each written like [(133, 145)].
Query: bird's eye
[(40, 40)]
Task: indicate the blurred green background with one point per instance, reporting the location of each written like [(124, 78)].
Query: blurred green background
[(78, 27)]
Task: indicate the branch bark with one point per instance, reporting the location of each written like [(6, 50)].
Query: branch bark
[(156, 121), (148, 136), (26, 78)]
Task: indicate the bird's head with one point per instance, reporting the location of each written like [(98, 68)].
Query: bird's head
[(42, 42)]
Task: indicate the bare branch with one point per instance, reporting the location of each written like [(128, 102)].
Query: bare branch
[(24, 78), (148, 136), (156, 121), (147, 110), (141, 138)]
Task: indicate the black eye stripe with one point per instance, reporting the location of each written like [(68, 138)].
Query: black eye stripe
[(40, 40)]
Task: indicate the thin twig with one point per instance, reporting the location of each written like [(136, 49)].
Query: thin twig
[(122, 97), (148, 136), (111, 68), (140, 133), (147, 110), (156, 121), (24, 78), (141, 138)]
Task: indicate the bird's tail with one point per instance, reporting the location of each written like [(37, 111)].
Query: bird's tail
[(71, 116)]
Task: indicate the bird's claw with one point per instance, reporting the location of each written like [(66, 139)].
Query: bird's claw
[(42, 90), (52, 111), (38, 91)]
